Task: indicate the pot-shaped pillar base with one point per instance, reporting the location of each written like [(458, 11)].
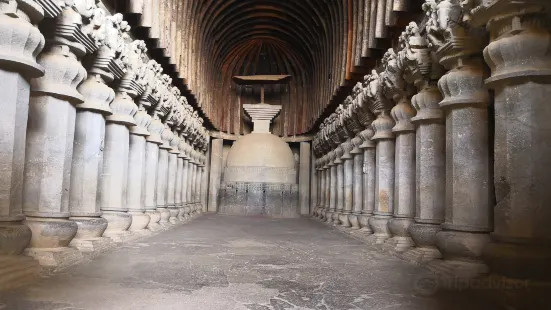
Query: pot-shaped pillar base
[(173, 219), (14, 238), (182, 214), (329, 216), (401, 240), (89, 227), (51, 232), (140, 220), (345, 219), (155, 217), (354, 220), (118, 222), (379, 225), (364, 223), (462, 252), (187, 213), (165, 216), (424, 237), (336, 218)]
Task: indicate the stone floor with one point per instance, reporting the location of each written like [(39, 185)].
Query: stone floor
[(225, 262)]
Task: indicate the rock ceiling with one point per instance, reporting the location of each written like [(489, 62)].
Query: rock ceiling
[(326, 45)]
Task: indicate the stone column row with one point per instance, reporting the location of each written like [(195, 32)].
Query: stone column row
[(84, 121), (426, 188)]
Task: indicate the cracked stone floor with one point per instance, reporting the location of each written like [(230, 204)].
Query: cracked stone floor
[(225, 262)]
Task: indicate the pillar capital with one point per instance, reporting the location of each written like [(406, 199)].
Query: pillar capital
[(22, 40), (402, 113)]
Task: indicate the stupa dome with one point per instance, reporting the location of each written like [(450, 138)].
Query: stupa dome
[(260, 157)]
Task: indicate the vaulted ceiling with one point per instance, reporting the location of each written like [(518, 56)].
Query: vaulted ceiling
[(326, 45)]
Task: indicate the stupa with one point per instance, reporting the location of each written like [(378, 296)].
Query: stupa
[(260, 175)]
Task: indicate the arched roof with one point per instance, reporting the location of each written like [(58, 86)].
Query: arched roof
[(324, 44)]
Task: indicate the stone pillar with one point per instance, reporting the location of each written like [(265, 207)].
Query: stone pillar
[(196, 187), (431, 174), (304, 178), (20, 44), (135, 193), (332, 216), (321, 188), (404, 177), (196, 183), (185, 181), (468, 206), (347, 185), (199, 181), (519, 56), (153, 141), (314, 185), (179, 178), (171, 183), (369, 171), (328, 217), (87, 164), (114, 183), (205, 179), (384, 177), (190, 181), (162, 177), (339, 183), (49, 145), (358, 198), (190, 185), (465, 104)]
